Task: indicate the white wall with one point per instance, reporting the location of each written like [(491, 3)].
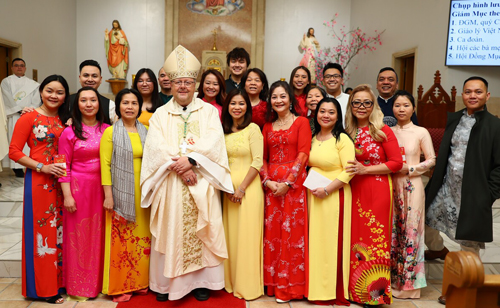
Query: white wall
[(422, 24), (286, 23), (46, 29), (143, 23), (59, 34)]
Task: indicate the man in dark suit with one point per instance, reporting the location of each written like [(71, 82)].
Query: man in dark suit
[(90, 76)]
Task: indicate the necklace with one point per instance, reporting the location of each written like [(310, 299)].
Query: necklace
[(320, 141), (283, 122), (184, 144), (43, 109), (46, 111), (91, 125), (130, 128), (358, 147)]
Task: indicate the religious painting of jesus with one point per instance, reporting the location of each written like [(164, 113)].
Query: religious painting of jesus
[(215, 7)]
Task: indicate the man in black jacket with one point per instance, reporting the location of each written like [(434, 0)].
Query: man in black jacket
[(466, 181), (90, 76)]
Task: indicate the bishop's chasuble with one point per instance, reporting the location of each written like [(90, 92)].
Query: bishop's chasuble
[(188, 243)]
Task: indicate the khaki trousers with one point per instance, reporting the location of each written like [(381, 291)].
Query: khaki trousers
[(434, 241)]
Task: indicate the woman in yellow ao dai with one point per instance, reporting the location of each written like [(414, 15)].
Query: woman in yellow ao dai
[(330, 207), (243, 211)]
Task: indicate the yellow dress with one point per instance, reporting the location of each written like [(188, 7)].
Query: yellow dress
[(329, 158), (144, 117), (244, 223), (127, 244)]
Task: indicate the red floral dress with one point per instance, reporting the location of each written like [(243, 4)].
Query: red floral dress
[(286, 153), (42, 206), (370, 272), (259, 114), (301, 99)]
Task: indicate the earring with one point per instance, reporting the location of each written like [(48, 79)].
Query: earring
[(290, 107)]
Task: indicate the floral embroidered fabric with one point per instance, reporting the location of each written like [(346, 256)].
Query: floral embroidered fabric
[(285, 217), (443, 212), (370, 281), (42, 211), (407, 252)]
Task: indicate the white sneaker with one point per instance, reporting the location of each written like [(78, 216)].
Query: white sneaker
[(280, 301)]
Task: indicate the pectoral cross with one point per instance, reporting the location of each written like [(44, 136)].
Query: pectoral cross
[(184, 146)]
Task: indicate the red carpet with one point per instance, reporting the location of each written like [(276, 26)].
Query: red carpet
[(218, 299)]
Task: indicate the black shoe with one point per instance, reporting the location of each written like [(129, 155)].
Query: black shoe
[(433, 254), (201, 294), (19, 173), (442, 300), (162, 297)]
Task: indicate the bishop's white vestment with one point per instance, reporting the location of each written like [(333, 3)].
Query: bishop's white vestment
[(188, 244)]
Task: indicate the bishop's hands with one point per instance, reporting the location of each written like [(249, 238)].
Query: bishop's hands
[(182, 167), (189, 178)]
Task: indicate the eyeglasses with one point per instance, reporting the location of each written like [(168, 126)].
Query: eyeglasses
[(179, 83), (19, 65), (336, 76), (357, 104), (145, 81)]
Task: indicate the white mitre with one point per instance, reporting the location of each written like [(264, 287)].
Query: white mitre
[(181, 63)]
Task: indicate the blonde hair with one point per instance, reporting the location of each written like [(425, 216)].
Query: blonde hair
[(375, 121)]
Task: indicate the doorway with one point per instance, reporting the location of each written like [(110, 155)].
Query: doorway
[(406, 73), (4, 62), (8, 50), (404, 64)]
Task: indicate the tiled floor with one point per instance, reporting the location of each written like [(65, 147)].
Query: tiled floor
[(10, 264)]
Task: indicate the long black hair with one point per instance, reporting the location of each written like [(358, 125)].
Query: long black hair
[(305, 69), (338, 127), (76, 114), (155, 96), (221, 96), (227, 119), (63, 110)]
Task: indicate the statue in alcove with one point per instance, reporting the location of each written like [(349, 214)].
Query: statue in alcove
[(117, 48)]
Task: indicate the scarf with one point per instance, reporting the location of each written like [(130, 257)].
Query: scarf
[(122, 169)]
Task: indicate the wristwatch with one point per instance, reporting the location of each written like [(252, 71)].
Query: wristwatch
[(288, 184), (193, 162), (412, 169), (39, 167)]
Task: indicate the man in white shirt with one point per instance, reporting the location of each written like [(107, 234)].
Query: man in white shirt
[(4, 136), (333, 79), (18, 92)]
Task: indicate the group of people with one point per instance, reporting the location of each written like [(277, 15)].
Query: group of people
[(189, 193)]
